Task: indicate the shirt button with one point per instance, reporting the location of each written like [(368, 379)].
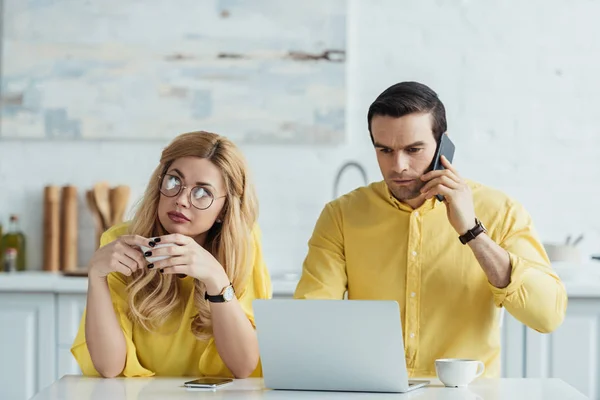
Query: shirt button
[(412, 335), (414, 253), (413, 294), (417, 214)]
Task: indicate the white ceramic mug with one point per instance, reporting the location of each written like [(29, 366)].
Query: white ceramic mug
[(153, 259), (458, 372)]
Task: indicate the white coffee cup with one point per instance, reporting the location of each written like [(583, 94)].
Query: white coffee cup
[(458, 372), (153, 259)]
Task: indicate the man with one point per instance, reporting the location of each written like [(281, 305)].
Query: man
[(393, 240)]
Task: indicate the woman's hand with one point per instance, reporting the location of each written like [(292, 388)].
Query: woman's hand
[(191, 259), (122, 255)]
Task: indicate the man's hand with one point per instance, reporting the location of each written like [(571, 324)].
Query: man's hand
[(457, 194)]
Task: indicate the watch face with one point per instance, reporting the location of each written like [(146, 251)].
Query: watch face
[(478, 222), (229, 293), (483, 226)]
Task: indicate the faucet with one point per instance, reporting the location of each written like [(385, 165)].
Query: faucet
[(338, 177)]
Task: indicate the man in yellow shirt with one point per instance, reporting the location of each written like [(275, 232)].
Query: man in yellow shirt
[(393, 240)]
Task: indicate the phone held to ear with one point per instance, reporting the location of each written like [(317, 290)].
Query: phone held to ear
[(445, 148), (207, 383)]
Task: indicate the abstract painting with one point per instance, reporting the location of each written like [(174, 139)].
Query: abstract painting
[(260, 71)]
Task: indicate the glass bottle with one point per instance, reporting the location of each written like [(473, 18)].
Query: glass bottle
[(10, 260), (14, 239)]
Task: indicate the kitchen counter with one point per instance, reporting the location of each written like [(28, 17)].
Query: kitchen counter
[(81, 388), (580, 282), (41, 313), (49, 282)]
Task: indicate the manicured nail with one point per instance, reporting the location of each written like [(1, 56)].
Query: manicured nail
[(156, 240), (150, 265), (148, 254), (151, 244)]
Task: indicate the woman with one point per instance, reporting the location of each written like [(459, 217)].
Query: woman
[(191, 313)]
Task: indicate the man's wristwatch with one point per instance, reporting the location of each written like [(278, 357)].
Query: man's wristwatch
[(227, 294), (472, 233)]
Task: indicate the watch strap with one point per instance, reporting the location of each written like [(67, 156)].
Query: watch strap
[(219, 298), (472, 233)]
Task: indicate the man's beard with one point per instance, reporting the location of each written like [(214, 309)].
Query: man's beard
[(403, 193)]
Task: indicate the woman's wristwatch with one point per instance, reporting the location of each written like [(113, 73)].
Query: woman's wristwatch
[(226, 295)]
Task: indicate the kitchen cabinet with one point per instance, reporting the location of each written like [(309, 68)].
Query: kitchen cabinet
[(70, 311), (27, 344), (39, 318), (40, 314), (572, 352)]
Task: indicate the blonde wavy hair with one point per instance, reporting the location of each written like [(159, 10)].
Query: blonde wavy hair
[(154, 297)]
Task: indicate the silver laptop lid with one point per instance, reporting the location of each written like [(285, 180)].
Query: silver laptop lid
[(342, 345)]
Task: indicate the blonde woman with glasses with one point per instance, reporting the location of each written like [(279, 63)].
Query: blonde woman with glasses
[(190, 313)]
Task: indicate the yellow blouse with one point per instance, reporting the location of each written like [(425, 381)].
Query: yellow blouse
[(173, 350)]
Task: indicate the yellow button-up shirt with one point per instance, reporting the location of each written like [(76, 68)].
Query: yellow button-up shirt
[(376, 248)]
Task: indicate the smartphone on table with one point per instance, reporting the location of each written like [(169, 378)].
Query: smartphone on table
[(445, 148), (207, 383)]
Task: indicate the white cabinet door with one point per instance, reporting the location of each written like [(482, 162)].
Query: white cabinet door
[(27, 344), (512, 347), (66, 363), (70, 311), (570, 353)]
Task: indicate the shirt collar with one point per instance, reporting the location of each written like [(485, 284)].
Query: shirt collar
[(427, 206)]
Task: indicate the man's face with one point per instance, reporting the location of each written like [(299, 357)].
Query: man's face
[(405, 147)]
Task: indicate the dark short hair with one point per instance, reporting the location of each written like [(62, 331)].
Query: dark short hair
[(407, 98)]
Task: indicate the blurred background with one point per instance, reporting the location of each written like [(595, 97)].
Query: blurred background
[(91, 92)]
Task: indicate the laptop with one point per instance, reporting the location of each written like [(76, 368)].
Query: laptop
[(332, 345)]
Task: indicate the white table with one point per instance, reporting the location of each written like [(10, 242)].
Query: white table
[(82, 388)]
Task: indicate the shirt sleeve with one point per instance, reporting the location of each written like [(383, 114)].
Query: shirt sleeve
[(324, 268), (535, 295), (258, 287), (118, 294)]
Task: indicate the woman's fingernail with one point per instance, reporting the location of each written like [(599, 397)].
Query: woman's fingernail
[(156, 240), (150, 265), (148, 254), (151, 244)]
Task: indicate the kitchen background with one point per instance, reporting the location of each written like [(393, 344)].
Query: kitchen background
[(519, 81)]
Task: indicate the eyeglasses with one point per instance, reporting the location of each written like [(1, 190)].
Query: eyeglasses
[(200, 197)]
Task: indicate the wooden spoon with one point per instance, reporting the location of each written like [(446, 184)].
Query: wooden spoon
[(102, 198), (91, 203), (119, 198)]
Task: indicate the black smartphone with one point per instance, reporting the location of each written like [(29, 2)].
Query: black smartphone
[(445, 148), (207, 383)]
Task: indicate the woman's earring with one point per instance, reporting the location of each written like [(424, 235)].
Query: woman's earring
[(219, 221)]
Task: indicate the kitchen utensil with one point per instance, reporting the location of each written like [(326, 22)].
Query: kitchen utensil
[(119, 197), (51, 228), (101, 192), (98, 223), (68, 242), (579, 239)]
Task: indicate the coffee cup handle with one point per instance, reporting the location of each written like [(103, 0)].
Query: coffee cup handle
[(480, 365)]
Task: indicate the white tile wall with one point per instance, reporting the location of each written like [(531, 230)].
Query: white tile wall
[(519, 81)]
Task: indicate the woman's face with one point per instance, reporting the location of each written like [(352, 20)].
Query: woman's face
[(192, 196)]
